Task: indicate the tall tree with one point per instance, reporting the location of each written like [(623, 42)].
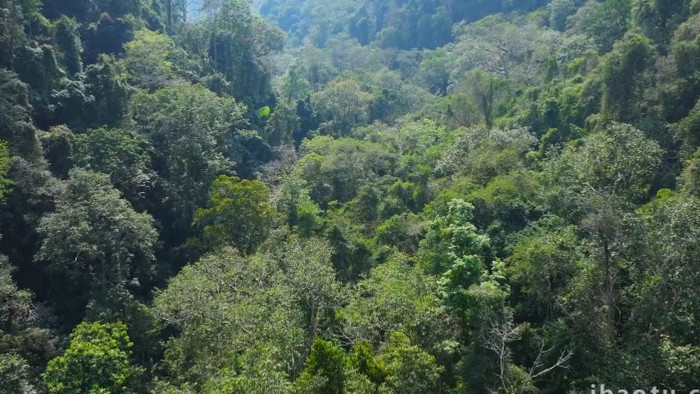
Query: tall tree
[(96, 361), (94, 242), (195, 137), (236, 315), (238, 214)]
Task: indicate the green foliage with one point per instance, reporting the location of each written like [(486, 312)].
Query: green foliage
[(15, 305), (605, 22), (366, 204), (336, 169), (684, 47), (421, 144), (408, 368), (424, 196), (292, 199), (622, 70), (401, 197), (394, 297), (352, 248), (24, 348), (659, 18), (104, 82), (465, 266), (559, 11), (258, 374), (691, 175), (238, 39), (264, 112), (341, 105), (282, 125), (219, 302), (363, 361), (433, 72), (295, 85), (688, 128), (58, 150), (495, 52), (5, 163), (403, 231), (107, 35), (682, 373), (14, 373), (149, 60), (326, 363), (15, 125), (411, 25), (42, 73), (486, 90), (95, 240), (15, 14), (68, 41), (506, 205), (193, 134), (96, 361), (238, 214), (248, 314), (120, 154), (666, 265), (483, 154), (541, 264), (598, 166)]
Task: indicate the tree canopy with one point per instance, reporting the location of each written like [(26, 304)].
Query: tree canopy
[(363, 196)]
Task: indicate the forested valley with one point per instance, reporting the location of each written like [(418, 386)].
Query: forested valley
[(349, 196)]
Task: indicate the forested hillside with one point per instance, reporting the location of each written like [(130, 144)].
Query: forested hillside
[(358, 196)]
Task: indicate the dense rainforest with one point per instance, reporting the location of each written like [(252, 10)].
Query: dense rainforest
[(349, 196)]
